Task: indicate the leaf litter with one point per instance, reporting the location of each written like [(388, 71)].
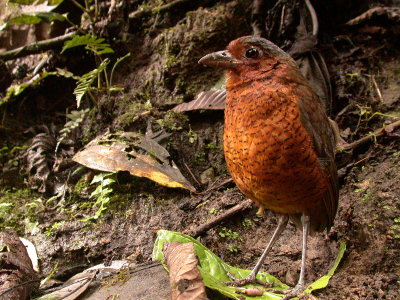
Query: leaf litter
[(214, 271)]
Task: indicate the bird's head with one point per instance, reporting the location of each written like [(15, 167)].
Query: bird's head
[(248, 57)]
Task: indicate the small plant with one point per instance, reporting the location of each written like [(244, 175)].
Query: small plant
[(212, 147), (228, 233), (102, 193), (86, 81), (192, 135), (233, 248), (76, 118), (49, 231), (213, 211), (247, 222), (84, 84)]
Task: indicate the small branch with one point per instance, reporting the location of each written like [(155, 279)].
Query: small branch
[(378, 91), (36, 47), (76, 3), (216, 186), (190, 172), (314, 17), (376, 133), (227, 214)]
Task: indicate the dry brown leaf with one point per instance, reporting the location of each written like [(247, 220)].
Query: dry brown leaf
[(185, 279), (17, 277), (209, 100), (139, 155)]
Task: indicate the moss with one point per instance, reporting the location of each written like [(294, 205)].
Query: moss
[(89, 132), (17, 208), (171, 61), (81, 185), (173, 121), (133, 107)]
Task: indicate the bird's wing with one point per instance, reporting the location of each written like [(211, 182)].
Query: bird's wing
[(320, 128)]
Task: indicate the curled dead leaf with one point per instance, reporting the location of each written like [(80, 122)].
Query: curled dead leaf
[(185, 279), (17, 277)]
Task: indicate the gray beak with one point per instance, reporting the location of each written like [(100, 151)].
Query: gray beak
[(221, 59)]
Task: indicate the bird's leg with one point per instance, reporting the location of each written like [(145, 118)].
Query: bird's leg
[(299, 288), (251, 278)]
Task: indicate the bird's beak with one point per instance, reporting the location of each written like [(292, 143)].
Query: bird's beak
[(221, 59)]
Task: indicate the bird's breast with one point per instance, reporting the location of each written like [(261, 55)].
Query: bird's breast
[(268, 152)]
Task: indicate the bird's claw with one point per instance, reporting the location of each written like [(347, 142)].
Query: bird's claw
[(294, 292), (247, 280)]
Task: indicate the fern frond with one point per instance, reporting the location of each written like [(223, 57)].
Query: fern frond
[(86, 81), (76, 118), (102, 193)]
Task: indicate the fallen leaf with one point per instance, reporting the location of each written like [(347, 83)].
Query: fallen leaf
[(185, 279), (214, 270), (209, 100), (71, 289), (141, 156), (17, 278)]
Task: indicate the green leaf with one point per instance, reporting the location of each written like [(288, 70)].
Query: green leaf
[(324, 280), (36, 18), (90, 42), (28, 12), (24, 19), (214, 271)]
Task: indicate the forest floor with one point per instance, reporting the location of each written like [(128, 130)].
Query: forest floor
[(162, 71)]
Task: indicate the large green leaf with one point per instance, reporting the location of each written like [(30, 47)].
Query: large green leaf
[(214, 271), (19, 12), (36, 18)]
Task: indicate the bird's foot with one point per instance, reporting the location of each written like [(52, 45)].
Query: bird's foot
[(247, 280), (294, 292)]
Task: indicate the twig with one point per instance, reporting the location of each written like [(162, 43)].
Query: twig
[(376, 133), (10, 289), (282, 17), (215, 186), (314, 17), (191, 173), (36, 47), (227, 214), (378, 91)]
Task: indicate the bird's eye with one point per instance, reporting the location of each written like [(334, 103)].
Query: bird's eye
[(252, 53)]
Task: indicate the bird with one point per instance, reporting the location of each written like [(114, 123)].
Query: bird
[(279, 143)]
